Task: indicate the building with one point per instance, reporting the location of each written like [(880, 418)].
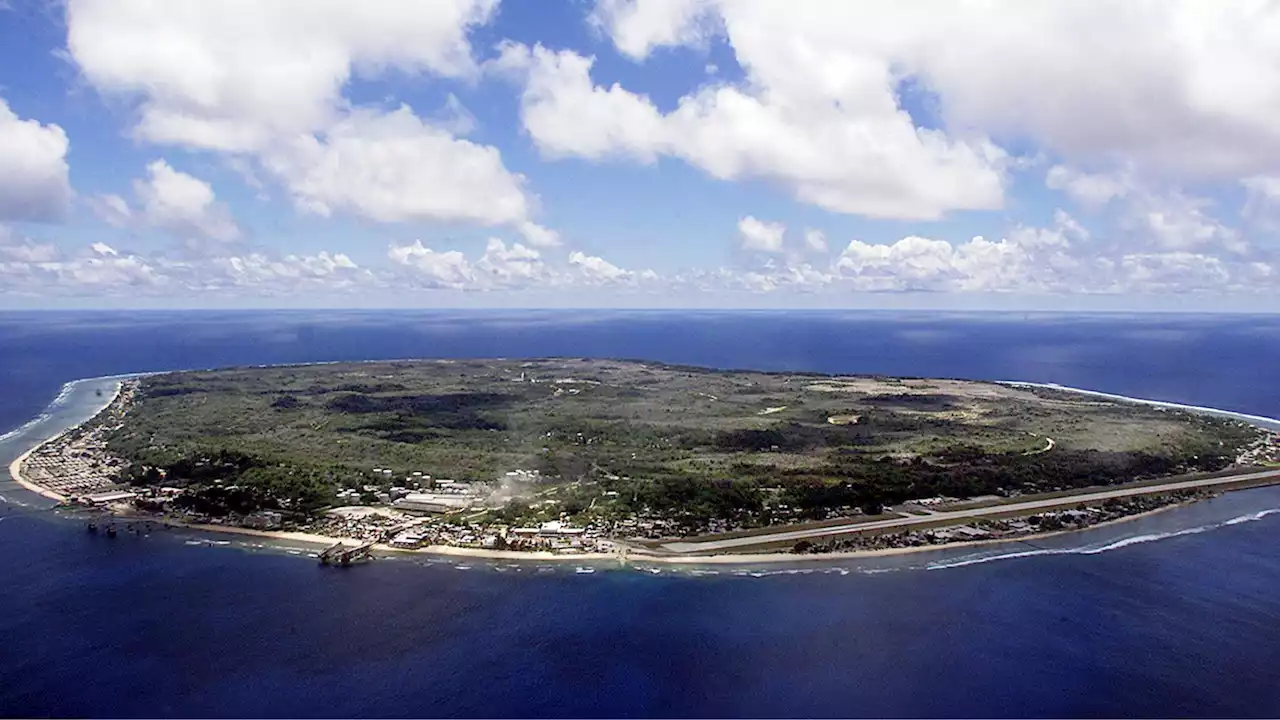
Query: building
[(107, 498), (431, 503), (264, 520)]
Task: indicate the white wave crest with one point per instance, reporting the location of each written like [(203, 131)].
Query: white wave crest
[(25, 427), (1275, 422), (1108, 547)]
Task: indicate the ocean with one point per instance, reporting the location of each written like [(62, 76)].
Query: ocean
[(1174, 614)]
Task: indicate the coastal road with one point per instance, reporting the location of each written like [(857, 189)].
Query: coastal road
[(1029, 506)]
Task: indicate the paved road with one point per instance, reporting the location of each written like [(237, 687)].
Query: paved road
[(710, 546)]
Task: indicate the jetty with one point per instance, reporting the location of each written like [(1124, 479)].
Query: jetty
[(341, 554)]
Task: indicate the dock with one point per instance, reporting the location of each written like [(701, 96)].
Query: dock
[(341, 554)]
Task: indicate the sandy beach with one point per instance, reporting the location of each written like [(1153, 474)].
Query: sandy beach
[(15, 467), (643, 556), (15, 472)]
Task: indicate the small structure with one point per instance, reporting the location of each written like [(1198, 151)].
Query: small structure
[(264, 520), (431, 503), (560, 528), (107, 498)]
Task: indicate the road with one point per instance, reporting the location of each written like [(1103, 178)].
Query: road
[(1029, 506)]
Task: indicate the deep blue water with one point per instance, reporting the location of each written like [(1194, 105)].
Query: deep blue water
[(1178, 614)]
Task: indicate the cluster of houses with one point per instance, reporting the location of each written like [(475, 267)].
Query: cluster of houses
[(555, 536), (77, 465)]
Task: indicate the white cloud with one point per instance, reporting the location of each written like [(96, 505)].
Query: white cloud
[(33, 169), (1029, 260), (100, 270), (180, 204), (1174, 272), (235, 75), (1182, 87), (538, 235), (264, 82), (1167, 219), (815, 241), (111, 209), (448, 269), (1262, 202), (516, 266), (568, 117), (507, 267), (638, 27), (90, 272), (761, 236), (848, 148), (1090, 190), (275, 274), (18, 249), (1177, 222), (393, 167), (598, 271)]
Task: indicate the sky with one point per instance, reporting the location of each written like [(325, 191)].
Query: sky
[(960, 154)]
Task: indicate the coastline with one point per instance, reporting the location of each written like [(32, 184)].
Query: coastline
[(15, 472), (625, 555), (15, 467), (641, 556)]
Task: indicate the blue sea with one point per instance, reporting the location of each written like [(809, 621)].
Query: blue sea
[(1175, 614)]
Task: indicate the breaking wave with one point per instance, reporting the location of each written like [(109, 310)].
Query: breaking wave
[(1272, 423), (1098, 549)]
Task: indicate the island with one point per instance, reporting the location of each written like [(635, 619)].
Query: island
[(591, 458)]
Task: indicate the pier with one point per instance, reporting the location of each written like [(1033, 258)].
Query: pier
[(340, 554)]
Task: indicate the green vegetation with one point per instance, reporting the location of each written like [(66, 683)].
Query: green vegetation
[(619, 439)]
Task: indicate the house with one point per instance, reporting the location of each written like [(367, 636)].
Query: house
[(264, 520)]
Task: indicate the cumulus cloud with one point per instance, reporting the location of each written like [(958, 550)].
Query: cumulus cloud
[(275, 275), (264, 83), (1181, 87), (849, 149), (393, 167), (33, 183), (638, 27), (102, 270), (1178, 222), (1092, 190), (507, 267), (176, 203), (761, 236), (234, 76), (111, 209), (449, 269), (16, 248), (596, 270), (540, 236), (1029, 260), (815, 241)]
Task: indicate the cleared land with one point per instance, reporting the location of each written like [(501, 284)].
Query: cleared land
[(698, 450)]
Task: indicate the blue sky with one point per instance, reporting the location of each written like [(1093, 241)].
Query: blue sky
[(689, 153)]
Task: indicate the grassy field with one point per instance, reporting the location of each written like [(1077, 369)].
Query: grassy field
[(647, 432)]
